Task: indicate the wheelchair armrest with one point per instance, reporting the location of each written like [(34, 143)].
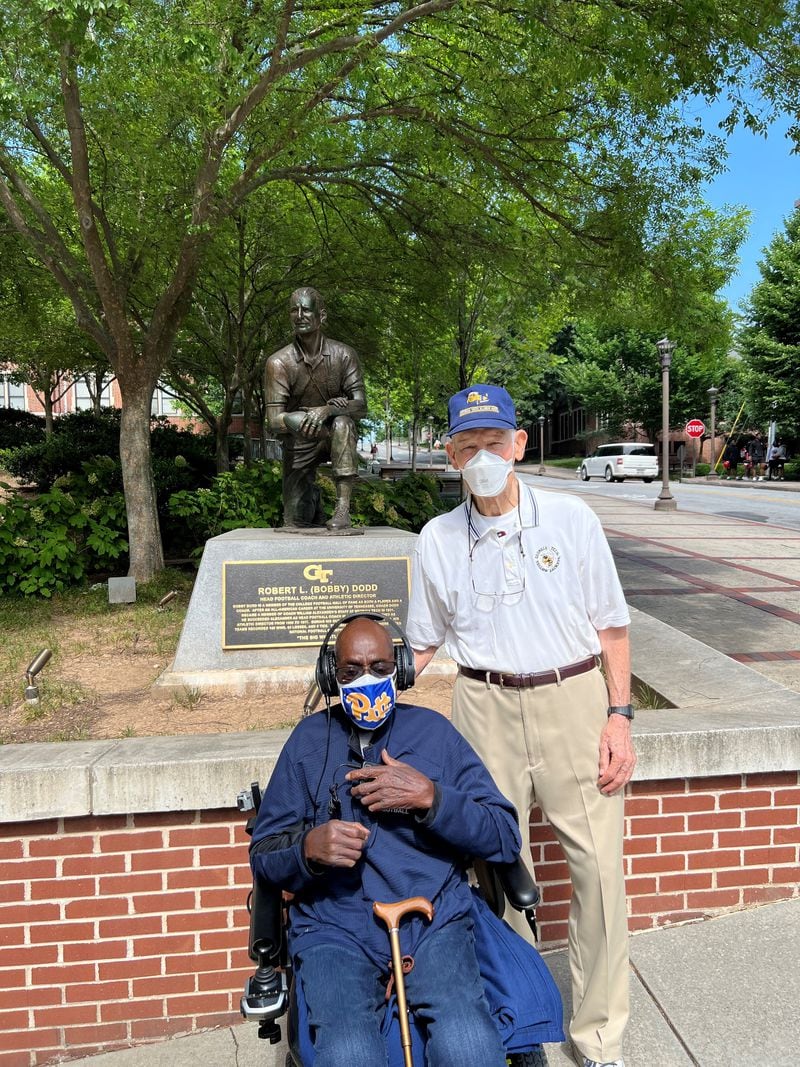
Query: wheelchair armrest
[(266, 924), (520, 889)]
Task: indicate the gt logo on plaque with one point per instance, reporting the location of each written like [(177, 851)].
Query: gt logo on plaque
[(279, 603)]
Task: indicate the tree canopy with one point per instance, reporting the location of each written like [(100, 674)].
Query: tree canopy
[(134, 131), (770, 339)]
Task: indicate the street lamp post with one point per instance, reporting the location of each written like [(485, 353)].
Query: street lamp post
[(666, 501), (713, 393), (541, 445)]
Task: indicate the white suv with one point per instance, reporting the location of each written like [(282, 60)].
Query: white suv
[(617, 462)]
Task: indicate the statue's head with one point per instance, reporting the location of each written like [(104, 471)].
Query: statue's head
[(307, 310)]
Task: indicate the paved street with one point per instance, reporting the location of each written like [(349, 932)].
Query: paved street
[(777, 503)]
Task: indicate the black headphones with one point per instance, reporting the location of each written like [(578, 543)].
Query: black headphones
[(326, 660)]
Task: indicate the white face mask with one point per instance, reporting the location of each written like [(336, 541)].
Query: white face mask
[(486, 474)]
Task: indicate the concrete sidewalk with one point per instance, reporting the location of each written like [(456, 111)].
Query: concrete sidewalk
[(708, 994), (714, 993)]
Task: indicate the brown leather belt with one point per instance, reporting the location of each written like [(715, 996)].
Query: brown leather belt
[(525, 681)]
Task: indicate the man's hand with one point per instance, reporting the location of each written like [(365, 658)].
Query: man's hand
[(617, 756), (336, 843), (339, 402), (314, 420), (394, 785)]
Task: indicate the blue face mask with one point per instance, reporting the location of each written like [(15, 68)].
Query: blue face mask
[(369, 701)]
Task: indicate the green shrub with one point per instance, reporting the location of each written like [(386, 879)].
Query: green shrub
[(76, 528), (791, 470), (181, 460), (406, 504), (252, 497), (18, 428), (82, 436), (77, 438), (246, 496)]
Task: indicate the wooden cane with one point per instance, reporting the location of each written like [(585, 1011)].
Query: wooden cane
[(391, 914)]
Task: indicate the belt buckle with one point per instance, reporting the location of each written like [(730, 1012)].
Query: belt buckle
[(501, 675)]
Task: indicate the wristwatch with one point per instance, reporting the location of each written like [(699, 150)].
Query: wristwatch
[(625, 710)]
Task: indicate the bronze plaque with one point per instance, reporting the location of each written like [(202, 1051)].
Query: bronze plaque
[(280, 603)]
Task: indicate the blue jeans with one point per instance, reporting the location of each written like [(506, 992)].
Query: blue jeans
[(345, 994)]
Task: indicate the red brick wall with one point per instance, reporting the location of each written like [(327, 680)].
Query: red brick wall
[(121, 930), (693, 848)]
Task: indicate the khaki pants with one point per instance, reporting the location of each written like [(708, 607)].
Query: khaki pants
[(542, 747)]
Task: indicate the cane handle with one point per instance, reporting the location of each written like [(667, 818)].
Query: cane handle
[(391, 914)]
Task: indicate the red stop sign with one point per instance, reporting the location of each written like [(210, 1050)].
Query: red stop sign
[(695, 428)]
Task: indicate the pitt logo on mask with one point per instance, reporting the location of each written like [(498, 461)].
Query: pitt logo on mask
[(369, 701)]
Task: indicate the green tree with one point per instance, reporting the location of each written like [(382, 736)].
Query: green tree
[(132, 130), (770, 339), (40, 343)]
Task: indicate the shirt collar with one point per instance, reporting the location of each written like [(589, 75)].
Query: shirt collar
[(528, 512), (301, 357)]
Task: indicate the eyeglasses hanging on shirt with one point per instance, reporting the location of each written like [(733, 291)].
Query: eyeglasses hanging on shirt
[(496, 562)]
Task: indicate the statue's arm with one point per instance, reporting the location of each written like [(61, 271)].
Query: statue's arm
[(354, 405), (354, 397), (276, 394)]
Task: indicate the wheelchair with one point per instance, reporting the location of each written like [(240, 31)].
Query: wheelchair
[(270, 993)]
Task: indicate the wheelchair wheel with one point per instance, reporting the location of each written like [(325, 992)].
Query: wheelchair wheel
[(535, 1058)]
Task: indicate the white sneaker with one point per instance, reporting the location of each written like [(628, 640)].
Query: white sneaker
[(584, 1061)]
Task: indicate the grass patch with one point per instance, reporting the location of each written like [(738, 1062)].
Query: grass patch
[(187, 697), (568, 463), (644, 696), (82, 630)]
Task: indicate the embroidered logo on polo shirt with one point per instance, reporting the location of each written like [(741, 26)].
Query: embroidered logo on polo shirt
[(547, 558)]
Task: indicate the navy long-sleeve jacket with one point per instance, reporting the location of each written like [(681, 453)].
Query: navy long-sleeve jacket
[(407, 853)]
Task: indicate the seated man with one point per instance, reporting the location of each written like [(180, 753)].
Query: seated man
[(377, 801)]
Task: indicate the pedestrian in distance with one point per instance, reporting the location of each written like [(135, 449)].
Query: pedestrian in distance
[(776, 458), (747, 460), (730, 458), (521, 589), (757, 455)]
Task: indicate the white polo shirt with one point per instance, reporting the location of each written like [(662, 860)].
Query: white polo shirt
[(530, 599)]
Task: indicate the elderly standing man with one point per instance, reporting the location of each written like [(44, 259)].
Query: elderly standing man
[(521, 588)]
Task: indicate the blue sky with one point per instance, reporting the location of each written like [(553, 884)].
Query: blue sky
[(764, 176)]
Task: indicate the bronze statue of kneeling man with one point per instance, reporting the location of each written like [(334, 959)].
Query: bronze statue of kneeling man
[(315, 396)]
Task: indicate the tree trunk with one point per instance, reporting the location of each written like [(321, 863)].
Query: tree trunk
[(221, 427), (97, 392), (247, 406), (47, 398), (144, 534), (414, 443), (222, 454)]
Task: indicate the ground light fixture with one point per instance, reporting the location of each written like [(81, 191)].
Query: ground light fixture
[(35, 665), (167, 599)]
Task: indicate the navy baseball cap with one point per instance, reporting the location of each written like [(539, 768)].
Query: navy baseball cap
[(482, 407)]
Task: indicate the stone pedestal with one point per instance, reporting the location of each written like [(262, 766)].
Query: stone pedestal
[(263, 600)]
